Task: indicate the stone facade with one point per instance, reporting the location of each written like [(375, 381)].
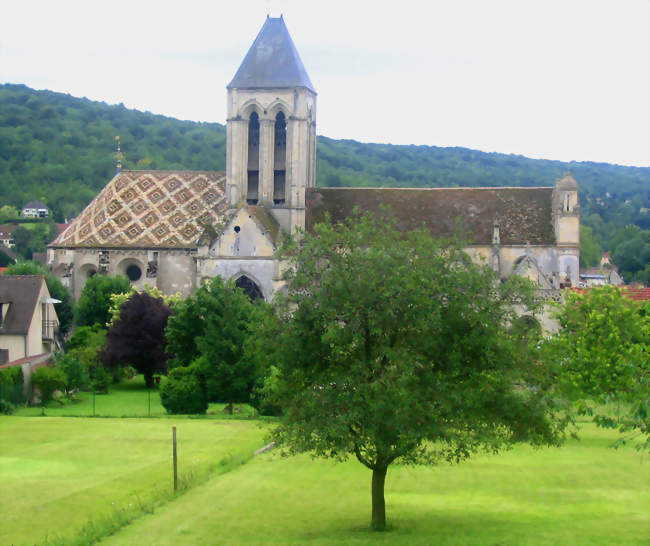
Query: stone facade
[(172, 229)]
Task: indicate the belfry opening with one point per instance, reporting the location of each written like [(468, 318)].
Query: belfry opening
[(279, 159), (252, 193)]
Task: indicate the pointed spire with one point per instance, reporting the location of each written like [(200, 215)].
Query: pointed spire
[(567, 182), (272, 61)]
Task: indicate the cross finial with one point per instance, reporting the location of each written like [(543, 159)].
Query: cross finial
[(118, 154)]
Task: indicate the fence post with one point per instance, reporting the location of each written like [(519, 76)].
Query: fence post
[(175, 460)]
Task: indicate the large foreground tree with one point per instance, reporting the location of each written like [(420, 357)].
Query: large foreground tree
[(396, 347)]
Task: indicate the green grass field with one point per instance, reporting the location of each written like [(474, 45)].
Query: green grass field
[(74, 479), (58, 473), (128, 399), (583, 493)]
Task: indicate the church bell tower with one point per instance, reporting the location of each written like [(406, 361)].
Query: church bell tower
[(271, 128)]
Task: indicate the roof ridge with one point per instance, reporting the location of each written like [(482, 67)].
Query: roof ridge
[(437, 188)]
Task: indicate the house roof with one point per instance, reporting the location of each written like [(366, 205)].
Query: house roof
[(7, 230), (61, 228), (22, 292), (636, 293), (6, 250), (35, 205), (524, 214), (35, 360), (272, 61), (145, 209)]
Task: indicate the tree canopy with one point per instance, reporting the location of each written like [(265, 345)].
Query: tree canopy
[(208, 332), (94, 302), (394, 346), (604, 347), (137, 337)]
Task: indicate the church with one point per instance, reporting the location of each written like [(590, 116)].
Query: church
[(172, 229)]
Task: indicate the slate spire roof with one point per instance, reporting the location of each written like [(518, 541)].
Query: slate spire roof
[(272, 61)]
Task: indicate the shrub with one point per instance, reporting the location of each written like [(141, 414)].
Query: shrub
[(75, 371), (49, 379), (11, 376), (6, 408), (264, 395), (182, 392), (95, 300), (11, 385), (101, 379)]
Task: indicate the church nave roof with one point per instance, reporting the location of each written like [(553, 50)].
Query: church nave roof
[(145, 209)]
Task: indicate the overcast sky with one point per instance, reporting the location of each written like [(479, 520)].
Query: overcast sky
[(567, 80)]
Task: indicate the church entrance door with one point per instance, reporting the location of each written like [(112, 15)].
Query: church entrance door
[(249, 287)]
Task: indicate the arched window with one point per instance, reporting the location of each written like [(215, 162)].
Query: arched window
[(279, 159), (252, 193), (133, 272), (249, 287)]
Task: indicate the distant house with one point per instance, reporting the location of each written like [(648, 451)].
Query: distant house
[(35, 209), (636, 293), (7, 235), (28, 321), (11, 256), (599, 277)]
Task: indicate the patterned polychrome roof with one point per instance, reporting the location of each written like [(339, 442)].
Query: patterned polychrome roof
[(149, 209)]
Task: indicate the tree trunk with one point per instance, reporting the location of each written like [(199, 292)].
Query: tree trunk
[(148, 380), (378, 502)]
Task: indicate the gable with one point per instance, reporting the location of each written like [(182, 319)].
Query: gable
[(251, 232), (21, 293), (528, 268)]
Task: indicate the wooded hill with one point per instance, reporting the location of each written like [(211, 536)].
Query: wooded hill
[(60, 150)]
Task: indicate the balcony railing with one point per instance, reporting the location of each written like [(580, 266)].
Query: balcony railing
[(50, 328)]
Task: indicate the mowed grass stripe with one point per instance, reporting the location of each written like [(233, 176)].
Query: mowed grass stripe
[(583, 493), (57, 473)]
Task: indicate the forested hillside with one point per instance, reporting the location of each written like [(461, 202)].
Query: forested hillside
[(60, 150)]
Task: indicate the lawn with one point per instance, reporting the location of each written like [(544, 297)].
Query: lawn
[(583, 493), (57, 473), (128, 399)]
